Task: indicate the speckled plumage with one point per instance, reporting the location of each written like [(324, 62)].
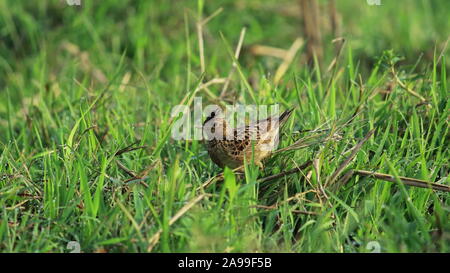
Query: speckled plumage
[(250, 141)]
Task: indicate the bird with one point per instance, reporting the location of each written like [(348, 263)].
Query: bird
[(231, 147)]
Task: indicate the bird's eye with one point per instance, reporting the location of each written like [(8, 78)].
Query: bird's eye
[(211, 116)]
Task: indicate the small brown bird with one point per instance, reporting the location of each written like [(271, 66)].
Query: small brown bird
[(228, 147)]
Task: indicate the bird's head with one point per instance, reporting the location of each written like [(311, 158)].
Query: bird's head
[(214, 124)]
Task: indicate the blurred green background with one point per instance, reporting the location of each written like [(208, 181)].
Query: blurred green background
[(152, 33)]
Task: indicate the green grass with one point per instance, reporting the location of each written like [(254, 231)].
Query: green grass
[(67, 123)]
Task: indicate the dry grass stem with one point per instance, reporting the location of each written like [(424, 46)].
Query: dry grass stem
[(405, 180), (312, 29), (261, 50), (347, 161), (298, 43), (236, 56)]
